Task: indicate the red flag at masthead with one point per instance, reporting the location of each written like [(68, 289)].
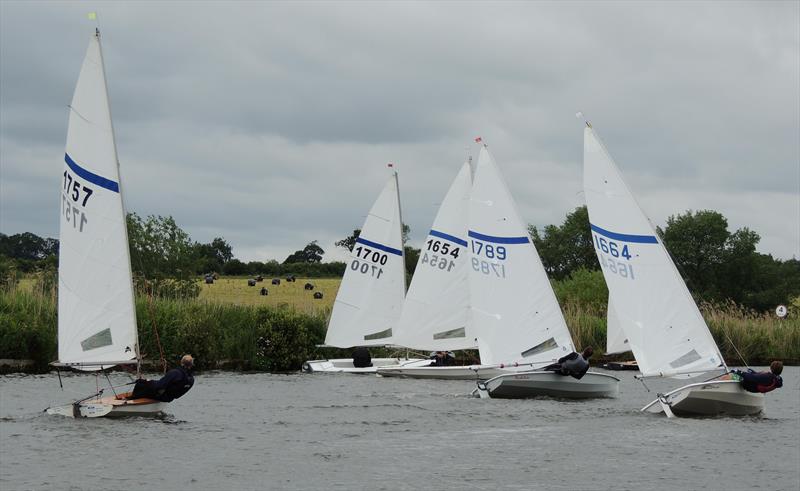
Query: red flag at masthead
[(478, 140)]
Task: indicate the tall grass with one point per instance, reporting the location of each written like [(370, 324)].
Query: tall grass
[(250, 334), (272, 338)]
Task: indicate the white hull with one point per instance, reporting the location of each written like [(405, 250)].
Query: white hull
[(469, 372), (110, 407), (713, 398), (540, 383), (345, 365)]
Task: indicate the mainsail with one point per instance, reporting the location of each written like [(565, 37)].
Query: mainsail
[(616, 339), (658, 316), (96, 314), (515, 312), (370, 298), (436, 310)]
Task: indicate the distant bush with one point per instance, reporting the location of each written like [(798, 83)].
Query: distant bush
[(28, 325), (583, 288)]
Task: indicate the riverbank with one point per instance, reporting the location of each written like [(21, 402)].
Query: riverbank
[(232, 331)]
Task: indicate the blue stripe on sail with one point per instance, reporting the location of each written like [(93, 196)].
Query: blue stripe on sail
[(640, 239), (499, 240), (91, 176), (379, 246), (451, 238)]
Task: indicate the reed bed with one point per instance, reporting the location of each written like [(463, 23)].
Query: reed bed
[(230, 325)]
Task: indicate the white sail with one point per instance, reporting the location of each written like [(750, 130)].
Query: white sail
[(436, 310), (665, 330), (370, 298), (96, 315), (515, 312), (616, 339)]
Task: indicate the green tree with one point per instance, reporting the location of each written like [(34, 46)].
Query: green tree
[(235, 267), (311, 253), (718, 265), (350, 241), (163, 257), (411, 256), (566, 248), (213, 256), (27, 246), (696, 241)]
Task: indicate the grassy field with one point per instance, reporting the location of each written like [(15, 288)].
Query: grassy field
[(235, 290)]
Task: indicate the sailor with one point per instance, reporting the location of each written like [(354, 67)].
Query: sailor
[(761, 382), (442, 359), (174, 384), (361, 357), (573, 364)]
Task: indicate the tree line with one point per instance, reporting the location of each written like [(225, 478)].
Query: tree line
[(718, 265)]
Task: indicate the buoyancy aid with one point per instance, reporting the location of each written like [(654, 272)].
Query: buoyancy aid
[(777, 382), (178, 388)]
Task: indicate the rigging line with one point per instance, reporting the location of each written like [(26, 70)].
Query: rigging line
[(150, 311), (735, 348), (98, 393), (109, 382), (155, 330)]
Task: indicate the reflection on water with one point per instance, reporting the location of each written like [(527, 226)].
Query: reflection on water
[(346, 432)]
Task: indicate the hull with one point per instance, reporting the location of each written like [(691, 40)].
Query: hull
[(470, 372), (134, 407), (111, 407), (537, 383), (713, 398), (621, 365), (345, 365)]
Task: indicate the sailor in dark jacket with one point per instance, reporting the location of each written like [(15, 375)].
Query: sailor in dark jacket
[(573, 364), (762, 382), (361, 357), (174, 384)]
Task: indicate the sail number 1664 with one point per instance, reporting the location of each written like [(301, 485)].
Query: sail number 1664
[(610, 247)]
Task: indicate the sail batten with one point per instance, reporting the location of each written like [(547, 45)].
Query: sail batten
[(651, 312)]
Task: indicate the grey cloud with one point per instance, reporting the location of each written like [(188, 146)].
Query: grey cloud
[(270, 123)]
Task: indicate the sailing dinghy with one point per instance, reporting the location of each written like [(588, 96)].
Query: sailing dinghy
[(96, 311), (370, 297), (652, 310), (514, 309), (436, 314)]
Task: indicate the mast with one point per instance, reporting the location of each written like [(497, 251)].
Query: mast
[(400, 212), (124, 213)]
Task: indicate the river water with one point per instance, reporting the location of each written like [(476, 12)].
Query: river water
[(353, 432)]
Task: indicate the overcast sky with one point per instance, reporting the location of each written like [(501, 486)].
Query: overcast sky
[(270, 124)]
